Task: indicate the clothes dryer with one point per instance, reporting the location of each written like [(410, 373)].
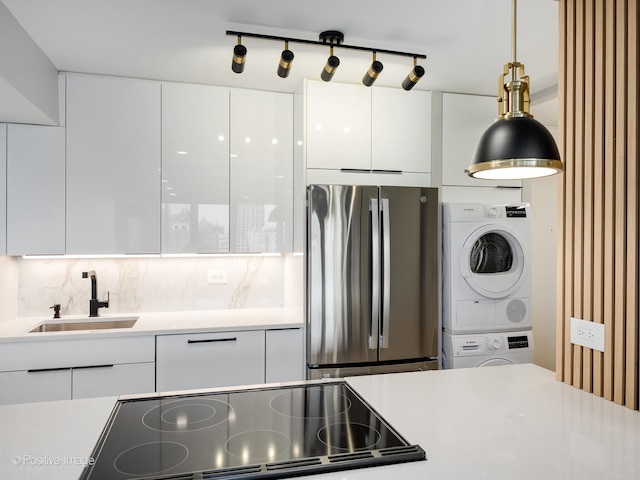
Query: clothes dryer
[(487, 349), (486, 267)]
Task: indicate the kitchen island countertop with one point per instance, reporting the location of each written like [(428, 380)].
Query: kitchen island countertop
[(503, 422)]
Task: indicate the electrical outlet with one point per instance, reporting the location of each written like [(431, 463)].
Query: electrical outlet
[(217, 277), (587, 334)]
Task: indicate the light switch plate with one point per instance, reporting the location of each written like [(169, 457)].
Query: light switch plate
[(217, 277), (587, 334)]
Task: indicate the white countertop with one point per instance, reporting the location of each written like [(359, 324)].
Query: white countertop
[(158, 323), (509, 422)]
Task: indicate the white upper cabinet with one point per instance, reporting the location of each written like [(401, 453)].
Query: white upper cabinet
[(464, 119), (338, 126), (35, 190), (3, 186), (113, 166), (401, 130), (261, 171), (195, 169)]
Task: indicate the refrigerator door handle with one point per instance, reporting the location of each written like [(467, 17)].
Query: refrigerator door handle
[(386, 272), (375, 274)]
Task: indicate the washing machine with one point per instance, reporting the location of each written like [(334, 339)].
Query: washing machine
[(487, 349), (486, 269)]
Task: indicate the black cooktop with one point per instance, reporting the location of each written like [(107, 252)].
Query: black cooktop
[(270, 432)]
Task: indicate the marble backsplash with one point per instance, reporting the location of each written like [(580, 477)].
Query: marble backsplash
[(158, 284)]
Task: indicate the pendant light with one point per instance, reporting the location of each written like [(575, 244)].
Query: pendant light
[(515, 146)]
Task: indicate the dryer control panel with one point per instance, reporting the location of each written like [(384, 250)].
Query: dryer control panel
[(489, 343)]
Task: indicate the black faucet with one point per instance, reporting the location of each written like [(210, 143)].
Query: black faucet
[(94, 303)]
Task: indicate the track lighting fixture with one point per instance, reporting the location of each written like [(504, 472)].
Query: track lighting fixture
[(239, 53), (414, 76), (330, 67), (373, 72), (515, 146), (286, 58), (332, 38)]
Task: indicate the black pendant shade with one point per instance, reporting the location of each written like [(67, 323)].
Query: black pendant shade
[(515, 147)]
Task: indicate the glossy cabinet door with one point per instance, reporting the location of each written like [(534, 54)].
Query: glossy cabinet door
[(195, 169), (35, 190), (464, 119), (261, 171), (284, 355), (205, 360), (338, 126), (400, 130), (3, 191), (113, 165)]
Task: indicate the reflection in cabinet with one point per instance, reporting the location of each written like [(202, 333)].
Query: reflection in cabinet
[(113, 166), (206, 360), (35, 190), (261, 171), (195, 169), (464, 119), (284, 355)]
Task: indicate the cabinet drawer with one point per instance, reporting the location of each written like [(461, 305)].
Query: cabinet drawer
[(207, 360), (76, 353), (35, 386), (107, 380)]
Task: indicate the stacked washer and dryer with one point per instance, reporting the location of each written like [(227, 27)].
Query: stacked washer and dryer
[(486, 285)]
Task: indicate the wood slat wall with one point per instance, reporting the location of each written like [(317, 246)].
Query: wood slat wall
[(598, 223)]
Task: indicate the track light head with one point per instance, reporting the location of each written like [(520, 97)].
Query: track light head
[(286, 58), (373, 72), (414, 76), (330, 68), (239, 54)]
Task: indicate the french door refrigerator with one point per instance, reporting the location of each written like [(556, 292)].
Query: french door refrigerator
[(372, 280)]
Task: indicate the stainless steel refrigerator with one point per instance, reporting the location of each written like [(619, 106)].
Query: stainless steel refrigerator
[(372, 280)]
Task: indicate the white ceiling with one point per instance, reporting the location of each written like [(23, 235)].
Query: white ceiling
[(467, 42)]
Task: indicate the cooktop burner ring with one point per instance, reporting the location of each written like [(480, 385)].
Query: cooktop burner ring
[(345, 405), (187, 415), (258, 445), (349, 437), (173, 454)]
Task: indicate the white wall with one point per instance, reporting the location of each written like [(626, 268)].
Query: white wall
[(542, 193)]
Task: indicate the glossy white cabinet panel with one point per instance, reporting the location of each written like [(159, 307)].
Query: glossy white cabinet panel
[(261, 171), (338, 126), (401, 130), (464, 119), (113, 166), (107, 380), (35, 190), (35, 386), (204, 360), (3, 187), (284, 355), (195, 169)]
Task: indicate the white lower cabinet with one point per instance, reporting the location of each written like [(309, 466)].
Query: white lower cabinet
[(35, 385), (38, 371), (205, 360), (284, 355)]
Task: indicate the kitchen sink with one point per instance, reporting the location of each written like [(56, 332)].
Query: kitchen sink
[(85, 324)]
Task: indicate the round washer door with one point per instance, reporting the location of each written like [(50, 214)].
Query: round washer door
[(492, 261), (493, 362)]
